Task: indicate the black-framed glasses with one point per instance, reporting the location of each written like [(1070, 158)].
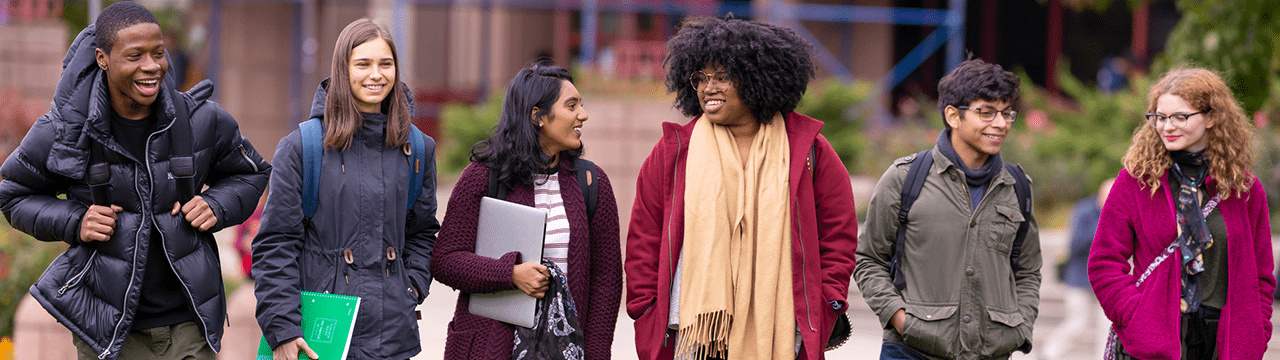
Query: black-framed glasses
[(719, 80), (1178, 119), (986, 114)]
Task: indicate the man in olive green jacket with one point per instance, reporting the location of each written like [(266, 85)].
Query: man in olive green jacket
[(963, 299)]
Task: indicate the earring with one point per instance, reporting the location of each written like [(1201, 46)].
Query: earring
[(539, 124)]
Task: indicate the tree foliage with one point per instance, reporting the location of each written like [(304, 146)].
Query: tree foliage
[(1238, 38)]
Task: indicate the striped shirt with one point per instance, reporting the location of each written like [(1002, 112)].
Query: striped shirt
[(546, 196)]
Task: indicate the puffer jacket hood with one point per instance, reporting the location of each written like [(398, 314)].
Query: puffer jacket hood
[(94, 288), (85, 121)]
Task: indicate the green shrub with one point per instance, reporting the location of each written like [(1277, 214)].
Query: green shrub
[(1083, 142), (24, 259), (464, 126), (831, 102)]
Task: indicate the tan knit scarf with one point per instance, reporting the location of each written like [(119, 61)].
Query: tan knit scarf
[(735, 297)]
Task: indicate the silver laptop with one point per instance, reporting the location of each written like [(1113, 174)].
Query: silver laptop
[(505, 227)]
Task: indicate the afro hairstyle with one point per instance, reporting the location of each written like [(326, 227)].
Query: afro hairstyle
[(770, 65), (974, 80), (116, 17)]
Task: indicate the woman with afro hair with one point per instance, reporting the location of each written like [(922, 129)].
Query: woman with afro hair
[(742, 235)]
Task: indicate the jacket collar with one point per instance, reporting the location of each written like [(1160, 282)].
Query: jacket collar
[(941, 164), (802, 133)]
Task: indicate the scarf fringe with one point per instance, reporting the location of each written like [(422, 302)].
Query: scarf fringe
[(707, 337)]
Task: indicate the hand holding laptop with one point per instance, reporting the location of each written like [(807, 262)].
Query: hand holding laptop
[(531, 278)]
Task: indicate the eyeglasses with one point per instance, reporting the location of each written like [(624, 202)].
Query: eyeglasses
[(720, 80), (1178, 120), (986, 114)]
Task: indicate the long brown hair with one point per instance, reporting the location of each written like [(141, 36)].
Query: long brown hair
[(341, 116), (1229, 153)]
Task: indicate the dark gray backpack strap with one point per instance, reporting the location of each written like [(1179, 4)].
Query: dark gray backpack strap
[(590, 189), (911, 186), (181, 161), (1022, 187)]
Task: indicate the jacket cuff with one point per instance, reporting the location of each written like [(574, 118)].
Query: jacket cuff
[(886, 314), (283, 336), (423, 284), (71, 234), (219, 213)]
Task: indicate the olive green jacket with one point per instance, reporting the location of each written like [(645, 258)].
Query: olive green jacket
[(962, 298)]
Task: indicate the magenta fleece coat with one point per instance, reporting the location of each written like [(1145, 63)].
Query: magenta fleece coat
[(1138, 224)]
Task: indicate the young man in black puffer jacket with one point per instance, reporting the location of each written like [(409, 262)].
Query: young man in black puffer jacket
[(141, 278)]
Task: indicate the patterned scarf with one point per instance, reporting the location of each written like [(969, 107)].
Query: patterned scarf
[(1193, 232), (557, 334)]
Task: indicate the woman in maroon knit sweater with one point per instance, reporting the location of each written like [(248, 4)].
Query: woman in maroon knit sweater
[(533, 148)]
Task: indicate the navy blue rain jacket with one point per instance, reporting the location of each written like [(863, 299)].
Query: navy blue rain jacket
[(362, 200)]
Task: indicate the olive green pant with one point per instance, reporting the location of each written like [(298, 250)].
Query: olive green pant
[(183, 341)]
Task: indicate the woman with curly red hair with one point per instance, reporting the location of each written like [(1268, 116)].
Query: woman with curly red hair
[(1194, 223)]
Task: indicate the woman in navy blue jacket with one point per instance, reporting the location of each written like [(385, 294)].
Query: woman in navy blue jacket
[(359, 241)]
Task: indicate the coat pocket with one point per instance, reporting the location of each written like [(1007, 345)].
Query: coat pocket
[(319, 272), (1003, 228), (926, 329), (1001, 335)]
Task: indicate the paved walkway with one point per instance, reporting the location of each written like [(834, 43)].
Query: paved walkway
[(864, 344)]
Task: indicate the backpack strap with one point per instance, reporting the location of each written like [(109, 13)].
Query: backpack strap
[(590, 189), (312, 152), (99, 175), (497, 189), (417, 164), (181, 162), (1021, 186), (911, 186)]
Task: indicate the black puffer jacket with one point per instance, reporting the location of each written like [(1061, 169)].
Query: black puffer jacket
[(361, 209), (93, 288)]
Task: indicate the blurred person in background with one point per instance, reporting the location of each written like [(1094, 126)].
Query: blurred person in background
[(1082, 307), (534, 152), (1182, 261), (101, 172), (360, 241), (743, 229)]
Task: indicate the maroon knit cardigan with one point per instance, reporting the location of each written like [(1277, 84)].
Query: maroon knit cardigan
[(595, 265)]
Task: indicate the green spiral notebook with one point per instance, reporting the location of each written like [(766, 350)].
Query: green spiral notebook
[(327, 323)]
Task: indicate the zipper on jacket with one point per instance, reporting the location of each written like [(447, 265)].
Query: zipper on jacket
[(147, 202), (804, 278), (75, 280), (671, 213), (245, 154)]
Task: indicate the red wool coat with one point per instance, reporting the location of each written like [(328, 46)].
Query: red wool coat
[(824, 232)]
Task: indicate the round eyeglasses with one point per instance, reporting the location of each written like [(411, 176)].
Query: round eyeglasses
[(700, 80), (988, 115), (1178, 120)]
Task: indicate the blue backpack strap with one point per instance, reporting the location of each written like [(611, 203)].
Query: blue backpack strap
[(312, 132), (911, 186), (1022, 187), (590, 189), (417, 165)]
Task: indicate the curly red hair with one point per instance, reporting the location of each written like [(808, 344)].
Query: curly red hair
[(1229, 153)]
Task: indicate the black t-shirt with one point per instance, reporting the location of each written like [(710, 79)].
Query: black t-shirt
[(132, 134), (163, 301)]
